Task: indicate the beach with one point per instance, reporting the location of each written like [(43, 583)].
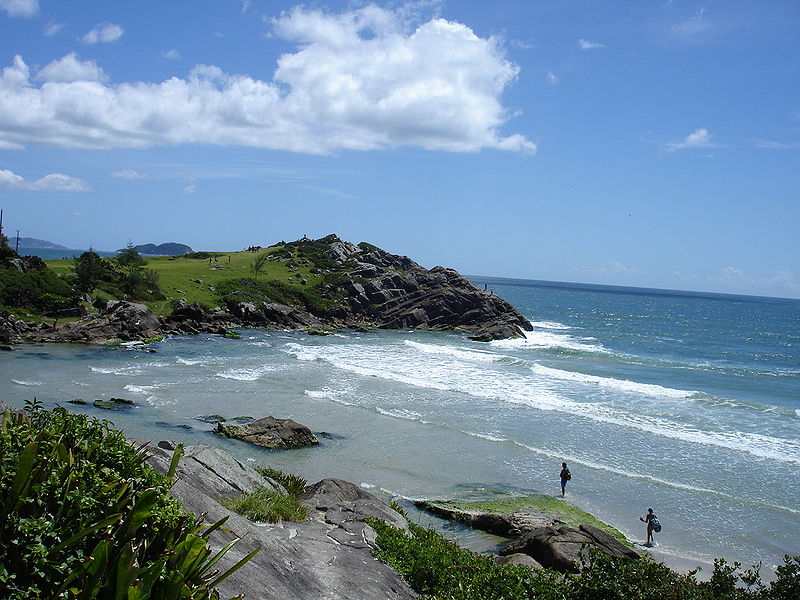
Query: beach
[(684, 402)]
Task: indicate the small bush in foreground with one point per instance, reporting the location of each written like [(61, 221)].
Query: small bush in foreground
[(441, 570), (293, 484), (267, 506)]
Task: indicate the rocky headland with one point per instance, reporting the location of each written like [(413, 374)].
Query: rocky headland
[(359, 286)]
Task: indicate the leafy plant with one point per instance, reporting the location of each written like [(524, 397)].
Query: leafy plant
[(83, 517)]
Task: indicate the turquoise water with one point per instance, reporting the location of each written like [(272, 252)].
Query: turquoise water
[(689, 403)]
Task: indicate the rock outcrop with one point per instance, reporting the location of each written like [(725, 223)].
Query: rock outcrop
[(503, 524), (270, 432), (361, 286), (327, 556), (563, 548)]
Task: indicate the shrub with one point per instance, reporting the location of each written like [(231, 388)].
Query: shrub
[(83, 517), (39, 290), (267, 506), (293, 484), (441, 570)]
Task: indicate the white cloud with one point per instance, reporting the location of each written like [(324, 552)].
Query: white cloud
[(699, 138), (359, 80), (70, 69), (190, 189), (129, 174), (54, 182), (20, 8), (246, 5), (587, 45), (103, 33), (172, 54), (53, 28), (694, 29), (551, 78)]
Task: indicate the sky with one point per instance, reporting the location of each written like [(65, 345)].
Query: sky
[(652, 144)]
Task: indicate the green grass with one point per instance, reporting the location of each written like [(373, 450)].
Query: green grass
[(547, 505), (178, 275), (267, 506), (293, 484)]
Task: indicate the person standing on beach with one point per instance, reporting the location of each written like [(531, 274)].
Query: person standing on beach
[(652, 525), (565, 477)]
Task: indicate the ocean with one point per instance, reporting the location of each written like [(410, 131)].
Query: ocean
[(685, 402)]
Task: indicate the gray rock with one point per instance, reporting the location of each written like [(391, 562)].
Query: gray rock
[(302, 561), (519, 559), (270, 432), (563, 548)]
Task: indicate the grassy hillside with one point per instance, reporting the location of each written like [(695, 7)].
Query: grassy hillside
[(179, 276)]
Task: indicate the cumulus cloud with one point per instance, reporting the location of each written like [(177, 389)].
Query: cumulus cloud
[(358, 80), (103, 33), (587, 45), (699, 138), (54, 182), (20, 8), (70, 69), (129, 174), (551, 78), (172, 54)]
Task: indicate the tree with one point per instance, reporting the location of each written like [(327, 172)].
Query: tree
[(130, 260), (258, 264), (89, 271)]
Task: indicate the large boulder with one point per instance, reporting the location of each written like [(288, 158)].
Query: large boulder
[(270, 432), (564, 548), (125, 321), (304, 561)]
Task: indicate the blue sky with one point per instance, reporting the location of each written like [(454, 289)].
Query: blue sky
[(634, 143)]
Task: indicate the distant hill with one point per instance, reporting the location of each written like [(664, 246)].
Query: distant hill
[(29, 242), (168, 249)]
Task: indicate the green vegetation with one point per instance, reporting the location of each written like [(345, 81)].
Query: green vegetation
[(547, 505), (300, 274), (293, 484), (268, 506), (441, 570), (233, 291), (83, 517)]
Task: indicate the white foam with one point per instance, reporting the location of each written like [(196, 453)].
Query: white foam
[(400, 413), (26, 383), (117, 371), (492, 437), (246, 374), (609, 382), (327, 394), (539, 338), (548, 325), (634, 475), (446, 372), (139, 389), (189, 362), (460, 353)]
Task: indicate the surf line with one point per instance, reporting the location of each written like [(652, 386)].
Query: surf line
[(673, 484)]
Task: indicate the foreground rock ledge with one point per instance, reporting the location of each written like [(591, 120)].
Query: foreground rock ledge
[(328, 556)]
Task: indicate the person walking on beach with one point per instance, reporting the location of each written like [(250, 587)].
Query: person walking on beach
[(565, 477), (652, 525)]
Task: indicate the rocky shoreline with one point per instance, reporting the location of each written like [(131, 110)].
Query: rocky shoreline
[(376, 290)]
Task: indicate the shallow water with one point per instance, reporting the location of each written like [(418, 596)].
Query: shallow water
[(685, 402)]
